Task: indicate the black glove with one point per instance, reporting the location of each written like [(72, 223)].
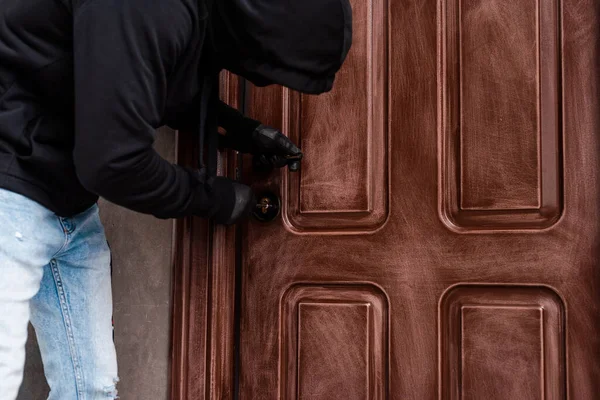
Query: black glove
[(273, 148), (246, 135), (223, 200), (236, 201)]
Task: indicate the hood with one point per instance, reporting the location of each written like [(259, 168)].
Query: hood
[(300, 44)]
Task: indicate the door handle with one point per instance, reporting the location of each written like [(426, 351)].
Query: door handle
[(262, 164)]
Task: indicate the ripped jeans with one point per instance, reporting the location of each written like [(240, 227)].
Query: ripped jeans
[(55, 272)]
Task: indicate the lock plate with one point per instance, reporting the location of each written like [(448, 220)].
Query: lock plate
[(268, 207)]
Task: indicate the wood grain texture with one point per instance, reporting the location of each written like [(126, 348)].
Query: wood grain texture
[(204, 290), (334, 342), (190, 296), (502, 352), (498, 45), (327, 329), (414, 258), (500, 341), (343, 183), (500, 92)]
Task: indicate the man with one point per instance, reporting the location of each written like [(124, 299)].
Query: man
[(83, 86)]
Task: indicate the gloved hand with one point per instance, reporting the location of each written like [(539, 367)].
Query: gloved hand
[(245, 201), (240, 206), (224, 200), (246, 135), (273, 148)]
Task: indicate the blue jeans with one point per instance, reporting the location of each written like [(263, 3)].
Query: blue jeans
[(55, 272)]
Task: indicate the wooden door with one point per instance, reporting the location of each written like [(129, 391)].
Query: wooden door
[(442, 239)]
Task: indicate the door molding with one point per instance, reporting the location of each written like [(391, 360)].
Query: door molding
[(203, 290)]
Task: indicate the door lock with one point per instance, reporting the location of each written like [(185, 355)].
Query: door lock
[(267, 208)]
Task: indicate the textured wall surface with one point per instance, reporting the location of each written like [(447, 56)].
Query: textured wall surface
[(141, 247)]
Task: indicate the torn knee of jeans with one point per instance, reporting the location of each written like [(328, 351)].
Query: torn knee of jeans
[(111, 391)]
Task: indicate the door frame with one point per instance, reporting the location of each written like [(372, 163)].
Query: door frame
[(204, 287)]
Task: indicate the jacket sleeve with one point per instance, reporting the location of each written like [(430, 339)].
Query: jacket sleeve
[(123, 51), (239, 129)]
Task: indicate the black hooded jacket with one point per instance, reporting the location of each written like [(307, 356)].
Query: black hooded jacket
[(85, 83)]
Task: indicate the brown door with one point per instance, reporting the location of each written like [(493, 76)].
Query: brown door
[(442, 240)]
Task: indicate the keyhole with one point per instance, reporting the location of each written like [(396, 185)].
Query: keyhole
[(268, 207)]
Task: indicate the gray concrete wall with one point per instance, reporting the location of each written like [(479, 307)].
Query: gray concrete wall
[(141, 248)]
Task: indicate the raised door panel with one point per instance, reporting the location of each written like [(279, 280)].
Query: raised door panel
[(501, 342), (343, 184), (500, 93), (334, 342)]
